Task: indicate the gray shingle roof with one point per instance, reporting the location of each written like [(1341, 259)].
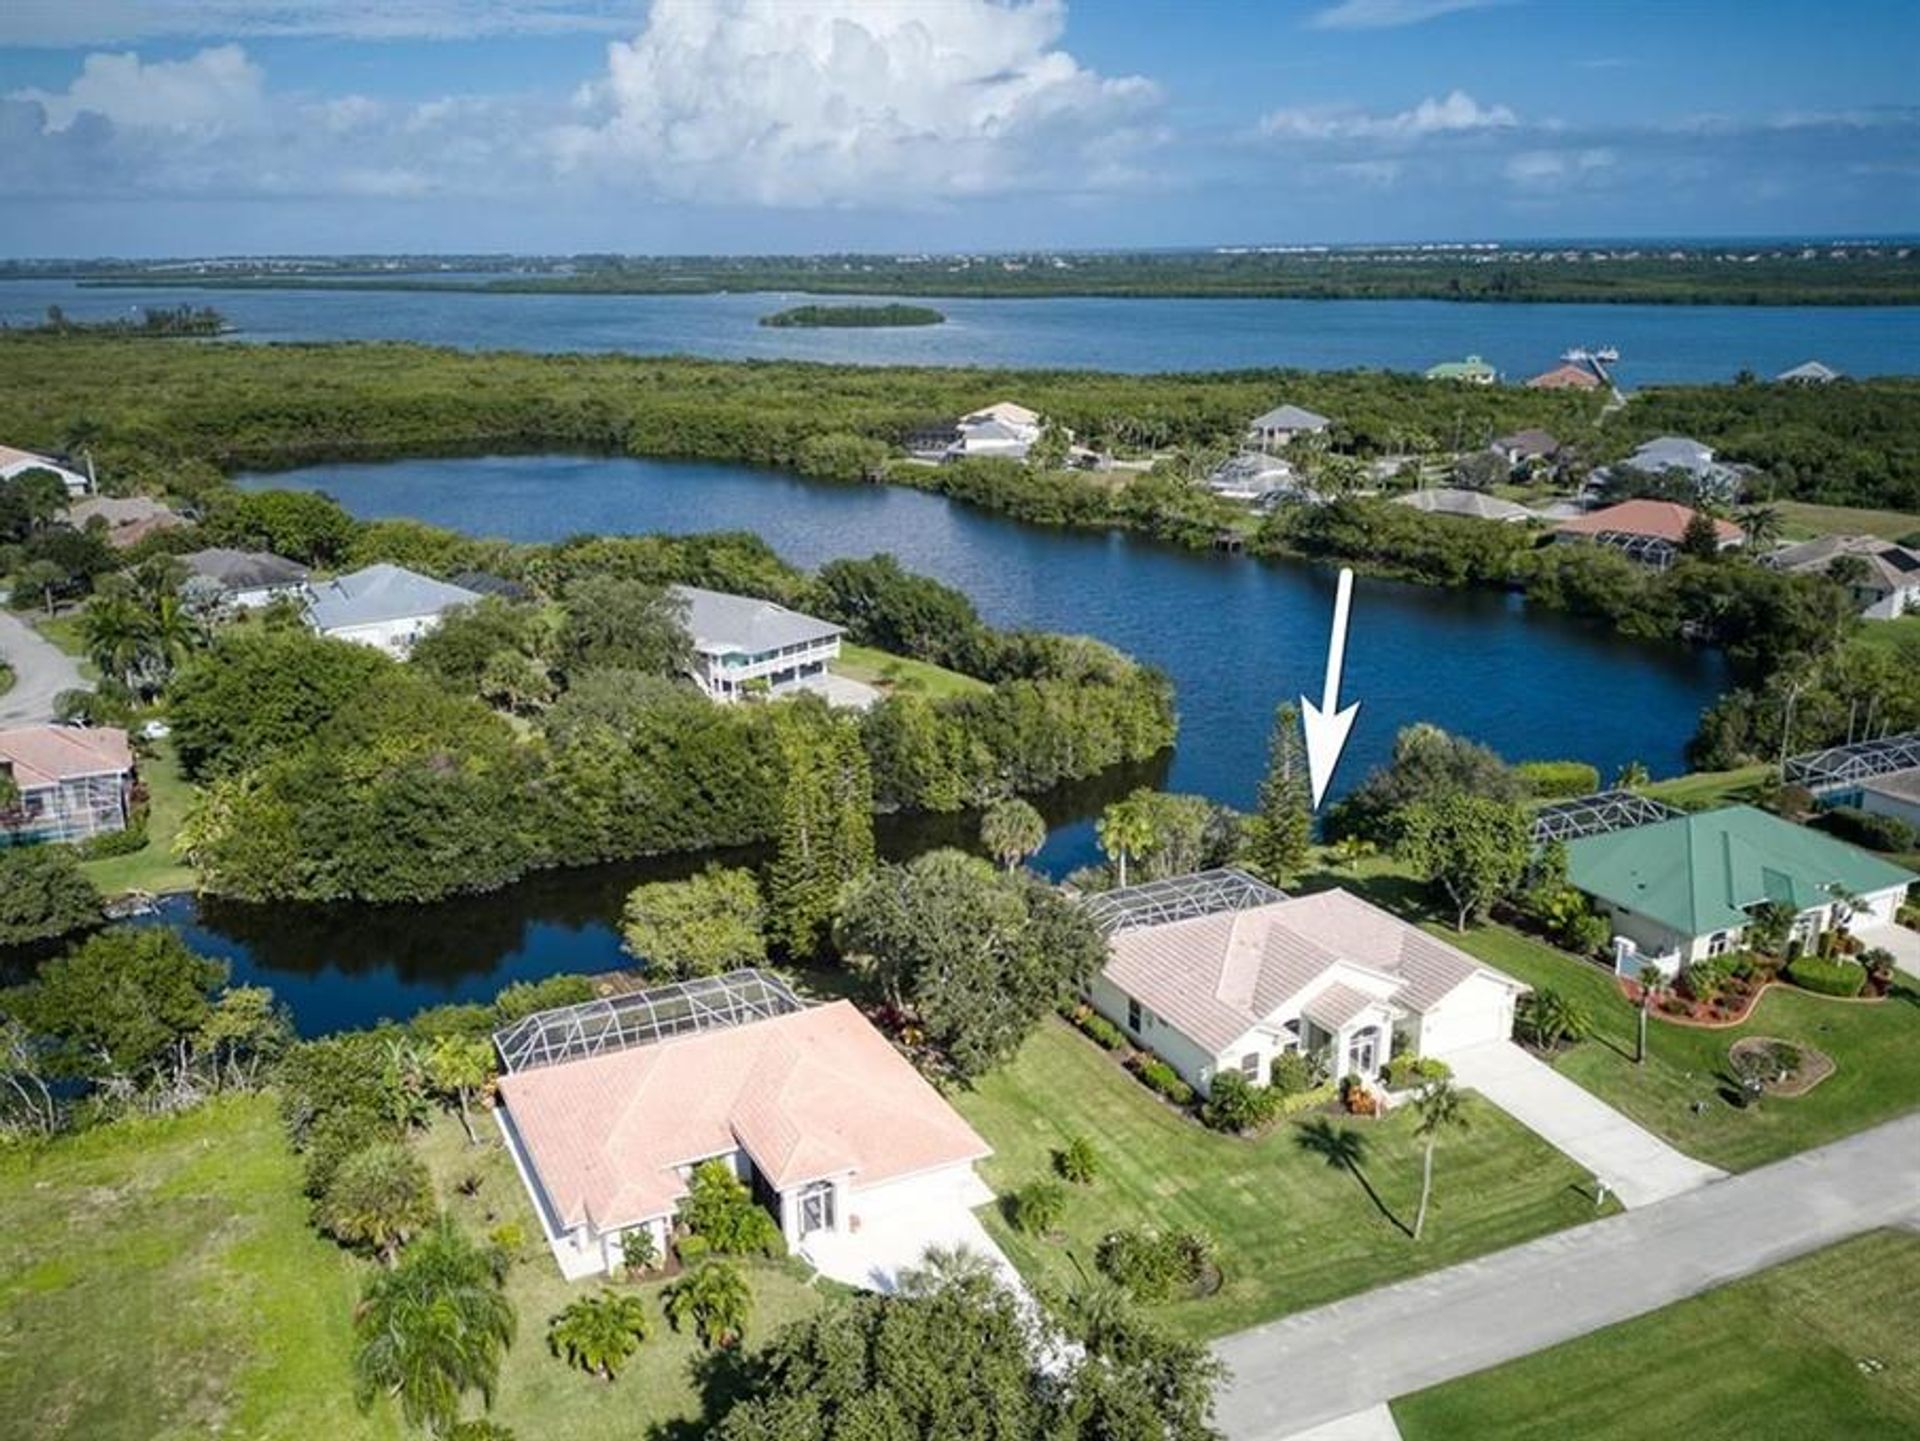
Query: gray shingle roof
[(1289, 417), (382, 593), (721, 624), (244, 569)]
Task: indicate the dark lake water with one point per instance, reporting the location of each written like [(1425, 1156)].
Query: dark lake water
[(1237, 636), (1657, 342)]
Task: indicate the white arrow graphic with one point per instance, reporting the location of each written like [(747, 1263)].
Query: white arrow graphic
[(1326, 724)]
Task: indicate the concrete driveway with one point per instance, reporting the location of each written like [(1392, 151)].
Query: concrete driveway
[(41, 671), (1636, 1165), (1903, 944), (1343, 1359)]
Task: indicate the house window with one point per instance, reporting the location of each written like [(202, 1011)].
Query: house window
[(1133, 1015), (1719, 943), (1250, 1066)]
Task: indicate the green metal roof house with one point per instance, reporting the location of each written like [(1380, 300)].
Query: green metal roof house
[(1684, 889), (1473, 371)]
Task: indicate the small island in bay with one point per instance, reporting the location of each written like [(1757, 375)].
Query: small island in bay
[(854, 316)]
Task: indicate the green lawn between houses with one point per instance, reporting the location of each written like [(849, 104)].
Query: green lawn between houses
[(1293, 1233), (1875, 1047), (1788, 1353), (1803, 519), (158, 1280), (153, 867), (892, 672)]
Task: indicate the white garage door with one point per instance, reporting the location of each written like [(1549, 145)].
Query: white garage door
[(1476, 1013)]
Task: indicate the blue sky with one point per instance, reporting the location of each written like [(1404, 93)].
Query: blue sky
[(200, 126)]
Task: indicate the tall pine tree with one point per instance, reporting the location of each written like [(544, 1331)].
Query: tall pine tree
[(1280, 833), (826, 824)]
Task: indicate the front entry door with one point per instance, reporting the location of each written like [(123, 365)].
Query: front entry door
[(816, 1209)]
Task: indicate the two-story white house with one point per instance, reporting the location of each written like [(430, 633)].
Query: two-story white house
[(743, 645)]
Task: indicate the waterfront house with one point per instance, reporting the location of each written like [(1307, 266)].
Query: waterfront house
[(1002, 431), (125, 519), (1327, 975), (248, 579), (384, 606), (1685, 889), (1565, 377), (1471, 371), (1524, 446), (1882, 577), (1283, 425), (15, 462), (607, 1107), (743, 645), (68, 783), (1810, 372), (1647, 531), (1252, 478), (1474, 504)]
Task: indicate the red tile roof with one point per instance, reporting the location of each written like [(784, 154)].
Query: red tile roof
[(1662, 519), (46, 755)]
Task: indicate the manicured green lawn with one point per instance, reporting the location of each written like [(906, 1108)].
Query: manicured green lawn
[(158, 1280), (153, 867), (880, 668), (1803, 518), (1889, 635), (1703, 790), (1821, 1347), (1680, 1092), (1293, 1232)]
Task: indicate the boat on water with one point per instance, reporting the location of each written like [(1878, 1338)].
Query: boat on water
[(1581, 355)]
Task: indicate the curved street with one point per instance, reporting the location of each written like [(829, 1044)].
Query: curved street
[(41, 671)]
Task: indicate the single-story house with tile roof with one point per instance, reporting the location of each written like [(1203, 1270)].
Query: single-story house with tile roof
[(128, 519), (1682, 455), (832, 1128), (1895, 794), (73, 782), (1283, 425), (16, 462), (1648, 531), (1684, 889), (248, 579), (1475, 504), (1565, 377), (1889, 585), (385, 606), (1327, 975), (742, 644)]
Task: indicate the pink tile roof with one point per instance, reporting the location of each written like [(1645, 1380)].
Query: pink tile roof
[(816, 1093), (1215, 977), (46, 755), (1665, 519)]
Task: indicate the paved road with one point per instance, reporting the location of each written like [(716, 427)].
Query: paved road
[(1636, 1165), (1345, 1358), (41, 669)]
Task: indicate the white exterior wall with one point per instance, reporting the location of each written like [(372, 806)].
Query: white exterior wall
[(395, 637), (1195, 1065), (1880, 907), (722, 681), (76, 483), (1477, 1010)]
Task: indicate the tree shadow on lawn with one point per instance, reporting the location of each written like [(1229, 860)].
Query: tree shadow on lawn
[(1344, 1149), (723, 1376), (1402, 895)]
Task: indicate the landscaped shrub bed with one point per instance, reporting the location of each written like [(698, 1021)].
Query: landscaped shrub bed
[(1559, 780), (1159, 1076), (1828, 978), (1866, 828), (1153, 1265), (1093, 1025)]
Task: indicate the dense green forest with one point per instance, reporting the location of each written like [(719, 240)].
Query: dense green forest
[(851, 317), (1731, 274)]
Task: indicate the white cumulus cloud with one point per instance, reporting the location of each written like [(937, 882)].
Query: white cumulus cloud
[(216, 89), (1388, 14), (827, 102), (119, 22), (1454, 113)]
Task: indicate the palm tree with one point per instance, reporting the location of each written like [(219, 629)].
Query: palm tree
[(458, 1066), (379, 1196), (114, 630), (1125, 831), (1651, 982), (1441, 1108), (433, 1329), (1631, 777), (1012, 830), (944, 1269), (715, 1299), (1548, 1018), (1762, 524), (599, 1334)]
